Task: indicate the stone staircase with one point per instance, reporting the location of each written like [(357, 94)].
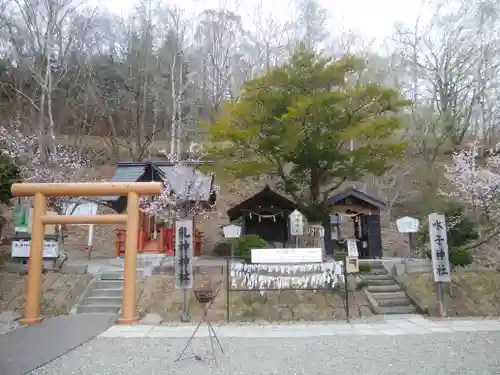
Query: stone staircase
[(104, 294), (385, 295), (103, 297)]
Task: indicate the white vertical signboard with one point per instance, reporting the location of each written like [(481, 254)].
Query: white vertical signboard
[(352, 248), (439, 248), (184, 234), (296, 223)]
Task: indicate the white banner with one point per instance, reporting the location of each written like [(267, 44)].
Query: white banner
[(292, 255)]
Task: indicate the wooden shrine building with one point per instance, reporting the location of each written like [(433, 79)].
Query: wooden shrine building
[(364, 211), (264, 214), (186, 182)]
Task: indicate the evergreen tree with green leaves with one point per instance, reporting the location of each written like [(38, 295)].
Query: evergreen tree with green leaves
[(9, 174), (297, 121)]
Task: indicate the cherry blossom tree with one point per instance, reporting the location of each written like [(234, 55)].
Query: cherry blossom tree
[(64, 164), (180, 203), (476, 182)]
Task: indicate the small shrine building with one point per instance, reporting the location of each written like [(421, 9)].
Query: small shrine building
[(264, 214), (364, 211), (186, 181)]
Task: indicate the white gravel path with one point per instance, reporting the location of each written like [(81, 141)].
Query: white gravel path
[(457, 353)]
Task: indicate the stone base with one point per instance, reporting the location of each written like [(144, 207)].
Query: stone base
[(127, 321), (32, 321)]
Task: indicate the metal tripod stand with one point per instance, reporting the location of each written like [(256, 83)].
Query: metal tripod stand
[(205, 298)]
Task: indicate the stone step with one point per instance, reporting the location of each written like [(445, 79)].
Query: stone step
[(384, 288), (109, 284), (394, 302), (118, 274), (384, 295), (398, 310), (109, 301), (106, 292), (369, 277), (112, 276), (377, 271), (380, 282), (378, 268), (418, 269), (99, 309), (373, 264), (140, 263)]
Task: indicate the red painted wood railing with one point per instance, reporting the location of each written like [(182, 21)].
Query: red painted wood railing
[(164, 244)]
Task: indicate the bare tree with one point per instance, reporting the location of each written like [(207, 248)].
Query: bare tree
[(180, 79), (268, 42), (41, 36), (447, 71), (310, 23), (218, 35)]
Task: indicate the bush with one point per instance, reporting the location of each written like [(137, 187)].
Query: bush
[(339, 256), (365, 268), (243, 246), (9, 174), (222, 249), (460, 257), (362, 284)]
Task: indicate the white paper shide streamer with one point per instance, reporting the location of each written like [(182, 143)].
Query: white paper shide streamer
[(296, 276)]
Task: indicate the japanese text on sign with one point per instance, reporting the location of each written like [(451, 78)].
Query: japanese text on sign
[(296, 223), (352, 248), (439, 248), (184, 254), (408, 225), (21, 249)]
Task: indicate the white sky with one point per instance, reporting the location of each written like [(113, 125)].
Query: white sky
[(372, 19)]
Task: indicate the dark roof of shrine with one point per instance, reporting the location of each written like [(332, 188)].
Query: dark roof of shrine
[(184, 179), (265, 198), (352, 192)]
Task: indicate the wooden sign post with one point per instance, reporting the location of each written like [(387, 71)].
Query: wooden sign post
[(184, 235), (296, 225), (440, 260)]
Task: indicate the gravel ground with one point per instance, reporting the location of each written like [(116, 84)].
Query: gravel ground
[(431, 354)]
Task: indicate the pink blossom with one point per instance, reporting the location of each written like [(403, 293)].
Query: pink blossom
[(475, 183), (67, 165), (172, 205), (64, 164)]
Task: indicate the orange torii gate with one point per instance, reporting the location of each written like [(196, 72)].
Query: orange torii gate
[(41, 191)]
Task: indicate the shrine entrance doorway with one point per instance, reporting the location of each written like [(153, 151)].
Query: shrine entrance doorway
[(40, 192), (363, 211)]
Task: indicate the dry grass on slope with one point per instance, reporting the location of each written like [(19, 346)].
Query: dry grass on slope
[(59, 292), (472, 292), (157, 294)]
